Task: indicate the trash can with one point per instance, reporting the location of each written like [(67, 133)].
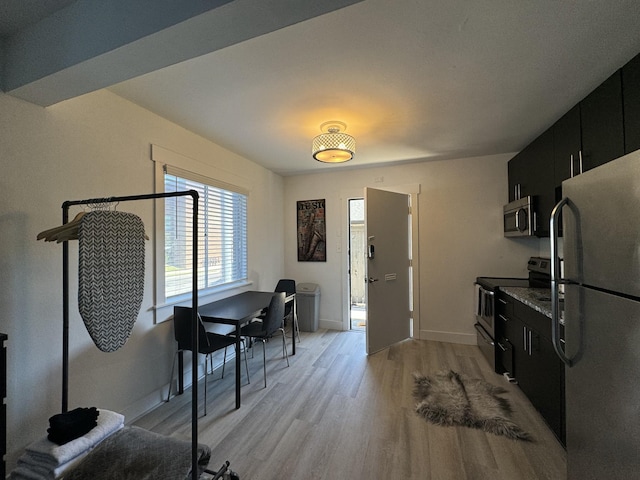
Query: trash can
[(308, 306)]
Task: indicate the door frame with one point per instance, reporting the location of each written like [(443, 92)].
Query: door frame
[(413, 190)]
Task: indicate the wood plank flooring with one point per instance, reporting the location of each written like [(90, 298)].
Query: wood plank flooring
[(338, 413)]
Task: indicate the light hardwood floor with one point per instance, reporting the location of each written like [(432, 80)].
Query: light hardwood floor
[(338, 413)]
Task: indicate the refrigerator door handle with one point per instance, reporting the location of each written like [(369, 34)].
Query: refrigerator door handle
[(556, 281)]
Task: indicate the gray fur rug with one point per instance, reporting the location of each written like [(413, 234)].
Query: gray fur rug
[(453, 399)]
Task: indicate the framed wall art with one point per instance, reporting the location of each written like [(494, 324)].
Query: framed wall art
[(312, 242)]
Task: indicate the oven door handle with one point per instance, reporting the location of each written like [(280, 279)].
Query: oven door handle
[(488, 303), (485, 336)]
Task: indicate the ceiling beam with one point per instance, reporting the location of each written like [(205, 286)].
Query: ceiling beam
[(92, 44)]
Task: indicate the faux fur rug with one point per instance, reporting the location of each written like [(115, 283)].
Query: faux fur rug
[(454, 399)]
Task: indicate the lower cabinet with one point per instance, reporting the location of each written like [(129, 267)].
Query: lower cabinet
[(531, 359)]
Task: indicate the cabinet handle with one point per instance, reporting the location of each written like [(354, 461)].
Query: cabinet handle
[(502, 301), (505, 319), (524, 338), (502, 347), (580, 160), (529, 342), (571, 160)]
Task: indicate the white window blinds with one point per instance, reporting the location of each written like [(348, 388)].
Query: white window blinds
[(222, 233)]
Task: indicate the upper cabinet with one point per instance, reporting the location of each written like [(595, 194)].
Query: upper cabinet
[(631, 104), (605, 125), (602, 124), (531, 173), (567, 146)]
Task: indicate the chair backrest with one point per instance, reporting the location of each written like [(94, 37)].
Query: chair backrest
[(288, 286), (275, 314), (182, 328)]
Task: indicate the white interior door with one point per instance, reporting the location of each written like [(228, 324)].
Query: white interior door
[(387, 232)]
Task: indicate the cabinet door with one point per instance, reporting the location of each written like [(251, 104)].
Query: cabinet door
[(504, 347), (513, 337), (602, 124), (567, 145), (531, 173), (546, 382), (543, 370), (542, 180), (631, 102), (518, 170)]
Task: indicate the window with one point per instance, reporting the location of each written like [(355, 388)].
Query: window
[(222, 234)]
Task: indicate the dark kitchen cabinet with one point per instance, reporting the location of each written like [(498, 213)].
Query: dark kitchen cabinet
[(531, 174), (567, 146), (605, 125), (631, 104), (542, 375), (534, 363), (602, 124)]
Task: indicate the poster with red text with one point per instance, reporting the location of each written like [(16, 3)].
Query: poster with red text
[(312, 246)]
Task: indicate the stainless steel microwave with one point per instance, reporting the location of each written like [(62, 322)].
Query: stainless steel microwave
[(519, 218)]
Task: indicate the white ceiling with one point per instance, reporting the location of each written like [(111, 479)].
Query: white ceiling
[(413, 79)]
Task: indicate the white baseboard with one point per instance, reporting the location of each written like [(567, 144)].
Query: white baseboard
[(330, 324), (449, 337)]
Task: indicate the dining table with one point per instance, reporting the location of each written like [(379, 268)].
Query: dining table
[(238, 310)]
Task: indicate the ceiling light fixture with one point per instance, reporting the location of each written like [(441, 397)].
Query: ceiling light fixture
[(333, 146)]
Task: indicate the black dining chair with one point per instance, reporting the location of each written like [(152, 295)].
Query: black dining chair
[(272, 322), (288, 286), (209, 343)]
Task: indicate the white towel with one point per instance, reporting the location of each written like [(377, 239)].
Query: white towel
[(28, 463), (48, 453)]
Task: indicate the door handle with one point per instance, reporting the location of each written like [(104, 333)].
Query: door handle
[(372, 280), (555, 283)]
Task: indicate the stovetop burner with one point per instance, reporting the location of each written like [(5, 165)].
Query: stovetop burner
[(539, 276)]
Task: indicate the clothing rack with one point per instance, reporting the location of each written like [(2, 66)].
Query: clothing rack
[(194, 329)]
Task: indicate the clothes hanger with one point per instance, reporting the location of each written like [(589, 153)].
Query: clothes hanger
[(68, 231), (53, 234)]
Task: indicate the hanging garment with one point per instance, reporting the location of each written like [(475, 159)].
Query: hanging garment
[(110, 275)]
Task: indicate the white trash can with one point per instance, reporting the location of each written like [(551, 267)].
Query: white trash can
[(308, 306)]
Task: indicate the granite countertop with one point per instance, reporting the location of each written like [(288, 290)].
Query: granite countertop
[(537, 298)]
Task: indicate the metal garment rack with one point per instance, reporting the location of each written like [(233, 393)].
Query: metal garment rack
[(194, 329)]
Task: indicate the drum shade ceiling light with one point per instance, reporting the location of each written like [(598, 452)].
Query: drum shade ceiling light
[(333, 146)]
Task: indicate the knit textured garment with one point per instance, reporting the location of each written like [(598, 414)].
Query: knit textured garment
[(110, 275)]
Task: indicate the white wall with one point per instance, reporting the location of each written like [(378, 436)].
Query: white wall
[(92, 146), (460, 237)]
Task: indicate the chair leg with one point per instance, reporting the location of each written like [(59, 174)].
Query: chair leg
[(284, 346), (246, 364), (264, 361), (224, 361), (206, 371), (296, 326), (173, 366)]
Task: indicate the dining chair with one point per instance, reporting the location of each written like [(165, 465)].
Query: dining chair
[(209, 343), (272, 322), (288, 286)]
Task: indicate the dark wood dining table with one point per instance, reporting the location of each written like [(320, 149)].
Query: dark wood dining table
[(237, 310)]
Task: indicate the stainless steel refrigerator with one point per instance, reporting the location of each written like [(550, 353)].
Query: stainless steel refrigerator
[(600, 213)]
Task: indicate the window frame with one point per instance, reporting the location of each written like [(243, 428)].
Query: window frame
[(182, 166)]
